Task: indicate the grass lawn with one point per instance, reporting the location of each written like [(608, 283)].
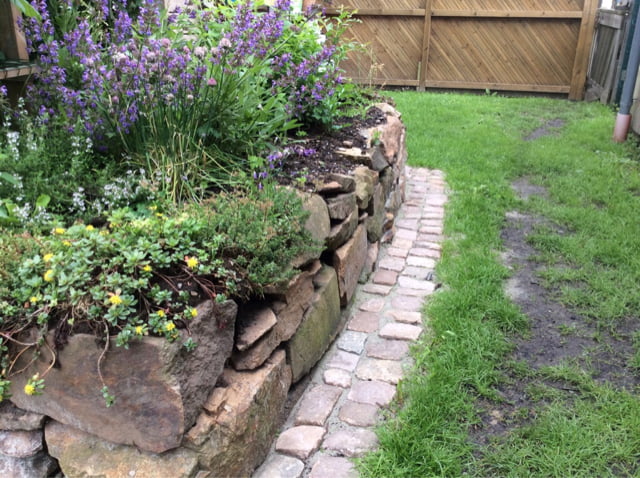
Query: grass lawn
[(572, 421)]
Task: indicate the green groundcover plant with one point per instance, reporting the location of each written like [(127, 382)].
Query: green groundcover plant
[(136, 174), (144, 274)]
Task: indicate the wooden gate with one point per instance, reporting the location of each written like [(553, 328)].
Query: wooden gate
[(516, 45)]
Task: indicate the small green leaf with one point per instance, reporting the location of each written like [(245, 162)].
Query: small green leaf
[(43, 201)]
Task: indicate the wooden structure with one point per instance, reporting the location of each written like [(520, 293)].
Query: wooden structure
[(15, 67), (511, 45), (604, 70)]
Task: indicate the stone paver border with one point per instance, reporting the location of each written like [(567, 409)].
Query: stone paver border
[(334, 419)]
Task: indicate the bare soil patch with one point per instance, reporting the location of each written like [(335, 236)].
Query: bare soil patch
[(320, 157), (558, 335)]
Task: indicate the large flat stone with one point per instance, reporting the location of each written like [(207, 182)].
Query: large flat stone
[(289, 306), (159, 386), (349, 261), (82, 455), (234, 433), (319, 327)]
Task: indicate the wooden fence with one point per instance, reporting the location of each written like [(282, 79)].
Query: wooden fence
[(512, 45)]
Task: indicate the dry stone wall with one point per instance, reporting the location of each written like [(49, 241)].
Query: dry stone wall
[(213, 412)]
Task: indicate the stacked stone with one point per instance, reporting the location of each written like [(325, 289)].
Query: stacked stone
[(22, 452), (334, 419), (214, 412)]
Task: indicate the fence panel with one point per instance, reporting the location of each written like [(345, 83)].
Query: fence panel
[(520, 45)]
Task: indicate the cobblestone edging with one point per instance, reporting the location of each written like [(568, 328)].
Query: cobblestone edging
[(334, 419)]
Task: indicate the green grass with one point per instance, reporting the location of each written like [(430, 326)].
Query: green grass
[(594, 197)]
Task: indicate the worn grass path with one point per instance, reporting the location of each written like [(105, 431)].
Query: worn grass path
[(574, 424)]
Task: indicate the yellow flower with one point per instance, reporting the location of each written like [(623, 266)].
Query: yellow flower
[(161, 313), (47, 257), (59, 230), (48, 276), (169, 326), (139, 330), (66, 243), (147, 268), (193, 312), (192, 262), (29, 389), (115, 299), (153, 208), (34, 299), (90, 227)]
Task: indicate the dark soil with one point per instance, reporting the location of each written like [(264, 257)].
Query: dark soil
[(306, 170), (557, 335)]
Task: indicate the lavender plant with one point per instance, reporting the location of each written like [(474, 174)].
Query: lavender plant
[(191, 93)]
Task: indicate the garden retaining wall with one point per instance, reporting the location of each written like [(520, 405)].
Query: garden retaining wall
[(217, 411)]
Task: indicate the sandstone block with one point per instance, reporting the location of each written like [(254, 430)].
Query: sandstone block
[(351, 341), (14, 418), (342, 231), (337, 377), (342, 206), (365, 180), (300, 441), (159, 386), (40, 465), (349, 261), (375, 221), (346, 182), (318, 328), (383, 370), (280, 466), (372, 158), (20, 443), (387, 180), (351, 442), (317, 404), (388, 349), (371, 262), (289, 307), (359, 414), (334, 467), (252, 324), (372, 392), (234, 434), (399, 331), (378, 161), (343, 361), (82, 455), (318, 224)]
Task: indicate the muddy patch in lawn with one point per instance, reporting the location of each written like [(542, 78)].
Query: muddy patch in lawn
[(546, 129), (557, 336)]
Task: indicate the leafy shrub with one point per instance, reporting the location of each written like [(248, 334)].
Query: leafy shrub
[(144, 275)]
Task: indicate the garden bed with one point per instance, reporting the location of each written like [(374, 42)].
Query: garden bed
[(221, 421)]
